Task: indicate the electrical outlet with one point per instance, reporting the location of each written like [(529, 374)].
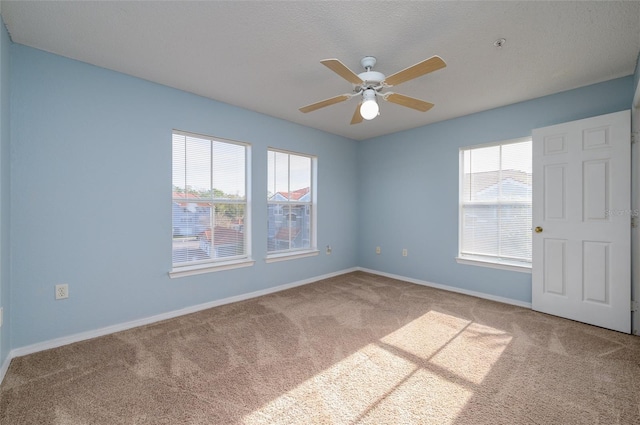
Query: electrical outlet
[(405, 252), (378, 250), (62, 291), (328, 249)]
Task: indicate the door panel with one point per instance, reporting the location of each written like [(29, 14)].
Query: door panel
[(555, 267), (554, 192), (596, 194), (596, 266), (581, 200)]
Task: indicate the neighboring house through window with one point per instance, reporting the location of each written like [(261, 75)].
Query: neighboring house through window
[(210, 204), (495, 205), (291, 205)]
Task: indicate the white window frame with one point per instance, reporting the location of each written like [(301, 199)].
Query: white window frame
[(227, 263), (478, 259), (293, 253)]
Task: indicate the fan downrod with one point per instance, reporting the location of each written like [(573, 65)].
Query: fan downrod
[(368, 62)]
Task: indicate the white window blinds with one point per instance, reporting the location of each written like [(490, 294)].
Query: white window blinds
[(209, 201), (495, 202)]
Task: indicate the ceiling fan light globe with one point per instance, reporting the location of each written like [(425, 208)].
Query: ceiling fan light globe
[(369, 109)]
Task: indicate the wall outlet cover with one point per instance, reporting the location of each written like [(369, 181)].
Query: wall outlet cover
[(62, 291)]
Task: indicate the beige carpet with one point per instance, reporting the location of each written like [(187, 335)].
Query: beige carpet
[(355, 349)]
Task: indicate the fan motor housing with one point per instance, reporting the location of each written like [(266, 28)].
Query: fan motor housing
[(371, 78)]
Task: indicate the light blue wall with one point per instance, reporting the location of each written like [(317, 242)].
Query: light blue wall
[(5, 170), (91, 188), (409, 187)]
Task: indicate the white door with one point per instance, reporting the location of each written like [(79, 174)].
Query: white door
[(582, 221)]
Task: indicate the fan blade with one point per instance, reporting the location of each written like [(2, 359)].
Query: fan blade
[(341, 69), (324, 103), (429, 65), (409, 102), (357, 117)]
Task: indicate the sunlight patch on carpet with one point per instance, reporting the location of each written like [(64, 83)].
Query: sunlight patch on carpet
[(424, 371), (342, 392), (426, 335), (472, 354), (425, 397)]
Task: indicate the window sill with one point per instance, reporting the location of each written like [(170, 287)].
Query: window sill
[(274, 258), (210, 267), (514, 267)]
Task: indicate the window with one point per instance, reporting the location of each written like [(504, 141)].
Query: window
[(495, 205), (210, 205), (291, 205)]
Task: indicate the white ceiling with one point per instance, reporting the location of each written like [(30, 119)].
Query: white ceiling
[(265, 56)]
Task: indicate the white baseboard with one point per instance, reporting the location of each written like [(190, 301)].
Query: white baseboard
[(82, 336), (450, 288), (5, 367)]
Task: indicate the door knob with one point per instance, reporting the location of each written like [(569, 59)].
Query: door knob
[(538, 229)]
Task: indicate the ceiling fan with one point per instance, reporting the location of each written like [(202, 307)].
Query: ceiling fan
[(369, 84)]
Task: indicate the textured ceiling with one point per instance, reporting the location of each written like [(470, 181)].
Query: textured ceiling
[(265, 56)]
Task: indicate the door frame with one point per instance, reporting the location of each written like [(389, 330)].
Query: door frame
[(635, 206)]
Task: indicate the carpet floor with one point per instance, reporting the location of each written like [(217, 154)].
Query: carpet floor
[(354, 349)]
